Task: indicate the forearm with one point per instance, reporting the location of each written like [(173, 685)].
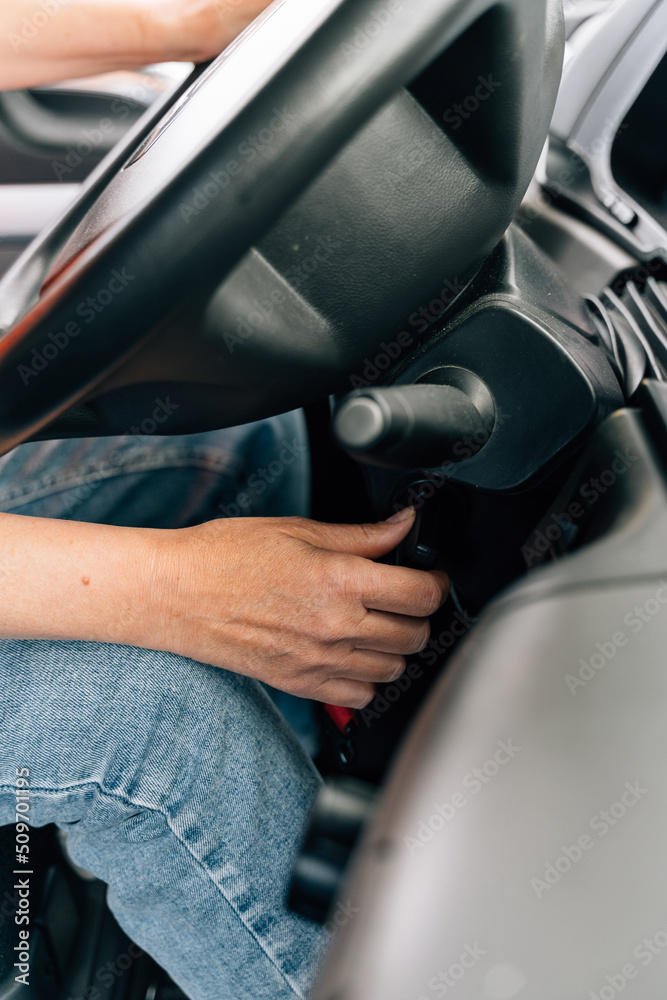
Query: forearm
[(46, 40), (300, 605), (70, 580)]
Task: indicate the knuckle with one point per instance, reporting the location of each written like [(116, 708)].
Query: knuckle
[(294, 521), (315, 687), (396, 669), (336, 574), (430, 597), (365, 697), (303, 660), (293, 525), (364, 532), (331, 629), (422, 636)]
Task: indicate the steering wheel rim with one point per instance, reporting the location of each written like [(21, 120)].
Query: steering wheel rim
[(343, 62)]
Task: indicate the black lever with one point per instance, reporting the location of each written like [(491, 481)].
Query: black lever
[(417, 426)]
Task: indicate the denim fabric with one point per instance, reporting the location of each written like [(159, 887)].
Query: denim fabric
[(180, 785), (257, 470)]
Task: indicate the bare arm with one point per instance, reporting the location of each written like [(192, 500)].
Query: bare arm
[(297, 604), (46, 40)]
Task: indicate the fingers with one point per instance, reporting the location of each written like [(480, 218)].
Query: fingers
[(352, 677), (367, 540), (387, 633), (371, 665), (403, 591), (382, 588), (361, 671), (346, 693)]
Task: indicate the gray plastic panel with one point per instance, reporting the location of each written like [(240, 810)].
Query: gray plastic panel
[(518, 861), (612, 58), (519, 847)]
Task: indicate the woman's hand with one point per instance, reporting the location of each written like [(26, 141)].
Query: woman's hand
[(297, 604), (42, 41), (200, 29)]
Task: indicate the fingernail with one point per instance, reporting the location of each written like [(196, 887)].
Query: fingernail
[(402, 515)]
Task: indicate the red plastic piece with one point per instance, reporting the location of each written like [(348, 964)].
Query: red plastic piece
[(342, 718)]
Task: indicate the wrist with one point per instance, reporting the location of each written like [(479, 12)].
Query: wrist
[(185, 32), (144, 586), (162, 595)]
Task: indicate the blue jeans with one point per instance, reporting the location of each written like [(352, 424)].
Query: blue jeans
[(178, 784)]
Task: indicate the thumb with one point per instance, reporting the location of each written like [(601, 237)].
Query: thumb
[(367, 540)]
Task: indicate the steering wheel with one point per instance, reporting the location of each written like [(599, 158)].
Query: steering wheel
[(408, 130)]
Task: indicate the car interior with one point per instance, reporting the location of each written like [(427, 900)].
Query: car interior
[(440, 227)]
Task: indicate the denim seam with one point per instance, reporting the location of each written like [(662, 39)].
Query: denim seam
[(47, 487), (139, 805)]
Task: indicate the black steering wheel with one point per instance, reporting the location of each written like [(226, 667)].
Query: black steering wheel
[(399, 134)]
